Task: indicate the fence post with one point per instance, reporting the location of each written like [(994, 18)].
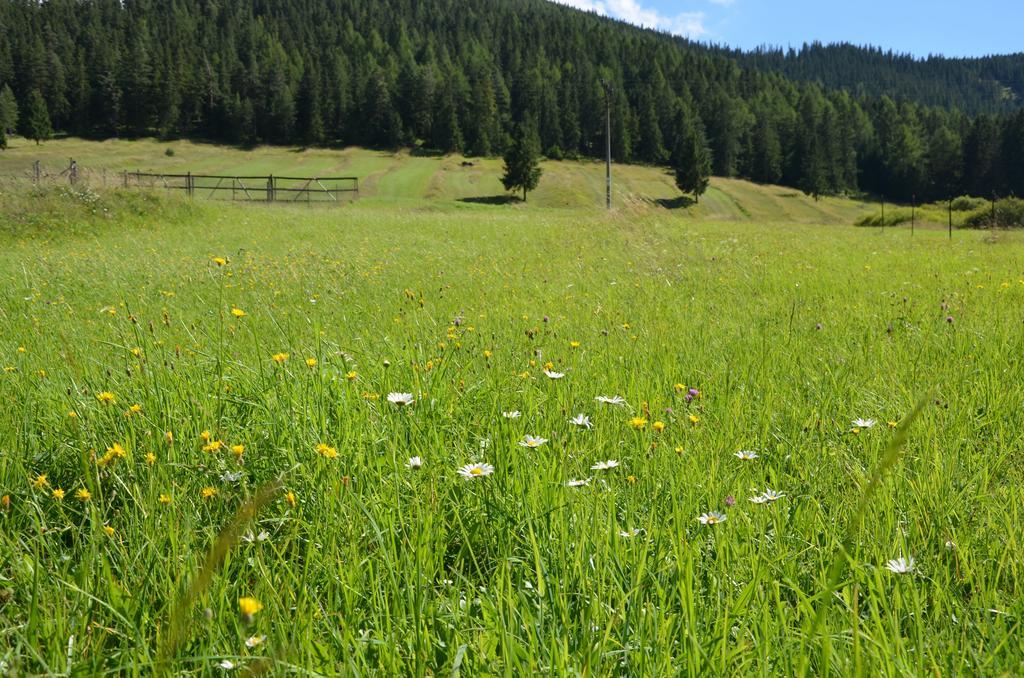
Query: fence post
[(188, 184), (124, 175), (72, 171), (994, 224), (270, 188), (950, 218), (913, 213), (35, 165)]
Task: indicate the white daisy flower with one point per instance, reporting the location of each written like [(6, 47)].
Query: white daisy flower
[(611, 400), (254, 641), (250, 538), (550, 374), (629, 533), (532, 441), (901, 565), (772, 495), (863, 423), (605, 465), (401, 399), (471, 471), (759, 499), (746, 455), (578, 483), (227, 665), (514, 414), (415, 463), (581, 420), (712, 518)]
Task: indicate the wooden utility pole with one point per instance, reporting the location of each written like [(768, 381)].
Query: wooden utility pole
[(607, 143)]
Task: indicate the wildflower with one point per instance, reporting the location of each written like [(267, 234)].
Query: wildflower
[(679, 450), (137, 352), (758, 499), (547, 366), (279, 358), (863, 423), (532, 441), (901, 565), (213, 446), (150, 458), (578, 483), (209, 492), (134, 409), (605, 465), (106, 397), (326, 451), (231, 477), (772, 495), (631, 479), (574, 344), (611, 400), (58, 494), (72, 415), (514, 414), (289, 498), (205, 436), (254, 641), (746, 455), (730, 500), (5, 502), (109, 530), (401, 399), (351, 375), (470, 471), (83, 495), (238, 313), (220, 261), (165, 499), (553, 375), (658, 426), (414, 463), (629, 534), (638, 423), (487, 355), (581, 420), (40, 482), (168, 437), (249, 607), (893, 424), (694, 419), (227, 665), (311, 362), (712, 518)]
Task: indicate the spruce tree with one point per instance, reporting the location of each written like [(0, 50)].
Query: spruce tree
[(8, 110), (37, 121), (522, 161), (691, 159)]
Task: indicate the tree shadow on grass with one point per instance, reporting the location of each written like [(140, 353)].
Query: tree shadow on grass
[(681, 202), (492, 200)]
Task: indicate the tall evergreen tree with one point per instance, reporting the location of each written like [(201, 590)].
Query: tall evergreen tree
[(522, 160), (8, 110), (691, 157), (37, 118)]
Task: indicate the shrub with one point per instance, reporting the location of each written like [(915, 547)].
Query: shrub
[(169, 152), (966, 203), (893, 217), (1009, 213)]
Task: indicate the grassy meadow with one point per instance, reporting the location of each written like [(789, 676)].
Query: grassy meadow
[(202, 470)]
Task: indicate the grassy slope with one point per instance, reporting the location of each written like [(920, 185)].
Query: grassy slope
[(401, 177)]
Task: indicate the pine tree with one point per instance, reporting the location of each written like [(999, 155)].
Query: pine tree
[(691, 158), (37, 121), (8, 110), (522, 160)]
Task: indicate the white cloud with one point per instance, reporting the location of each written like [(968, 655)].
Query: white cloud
[(723, 3), (689, 24)]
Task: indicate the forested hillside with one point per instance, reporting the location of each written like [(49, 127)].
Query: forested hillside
[(460, 75), (993, 84)]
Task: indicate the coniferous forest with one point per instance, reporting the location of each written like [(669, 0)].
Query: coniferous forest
[(461, 75)]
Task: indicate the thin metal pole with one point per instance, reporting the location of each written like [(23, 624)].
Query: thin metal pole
[(608, 145), (913, 213), (950, 218)]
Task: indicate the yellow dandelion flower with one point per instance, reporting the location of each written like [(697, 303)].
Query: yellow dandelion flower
[(289, 497), (106, 397), (165, 499), (168, 437), (134, 409), (40, 481), (209, 492), (893, 424), (238, 450), (220, 261), (574, 344), (326, 451), (310, 362), (351, 376), (638, 422), (249, 607), (694, 419), (83, 495), (58, 494), (238, 313), (658, 426), (72, 415), (5, 502), (213, 446), (631, 479), (279, 358), (150, 458), (487, 355), (21, 349), (679, 449), (109, 530), (205, 436), (679, 388)]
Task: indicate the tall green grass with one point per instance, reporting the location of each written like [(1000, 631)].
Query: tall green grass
[(788, 331)]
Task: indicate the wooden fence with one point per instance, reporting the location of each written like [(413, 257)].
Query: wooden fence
[(268, 188)]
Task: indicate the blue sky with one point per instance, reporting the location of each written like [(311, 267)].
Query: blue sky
[(920, 27)]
